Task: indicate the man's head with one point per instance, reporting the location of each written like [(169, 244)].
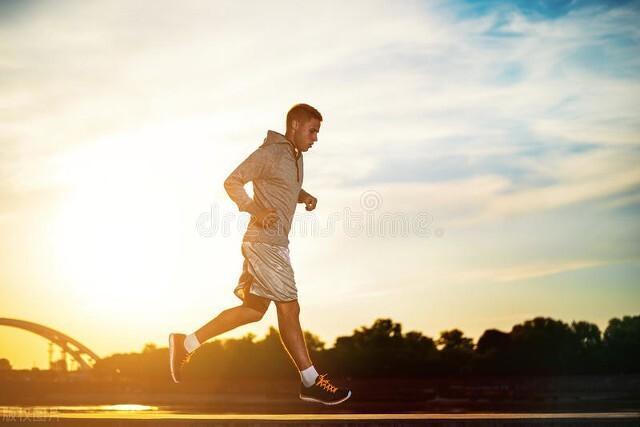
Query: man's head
[(303, 125)]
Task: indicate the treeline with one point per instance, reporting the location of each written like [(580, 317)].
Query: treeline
[(541, 346)]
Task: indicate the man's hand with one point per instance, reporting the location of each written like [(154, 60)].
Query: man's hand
[(309, 201), (266, 218)]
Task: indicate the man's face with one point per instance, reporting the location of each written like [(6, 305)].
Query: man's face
[(307, 134)]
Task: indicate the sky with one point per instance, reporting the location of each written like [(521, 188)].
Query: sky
[(477, 164)]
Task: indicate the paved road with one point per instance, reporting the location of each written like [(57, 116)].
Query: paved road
[(62, 418)]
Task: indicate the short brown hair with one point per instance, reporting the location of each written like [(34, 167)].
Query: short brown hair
[(302, 113)]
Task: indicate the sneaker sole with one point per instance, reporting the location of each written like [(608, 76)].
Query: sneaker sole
[(171, 351), (311, 399)]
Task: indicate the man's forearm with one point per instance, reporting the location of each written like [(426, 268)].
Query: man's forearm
[(235, 189), (302, 195)]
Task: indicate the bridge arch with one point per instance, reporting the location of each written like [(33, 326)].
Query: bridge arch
[(80, 353)]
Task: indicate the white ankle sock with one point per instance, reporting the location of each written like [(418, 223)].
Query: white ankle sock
[(191, 343), (309, 376)]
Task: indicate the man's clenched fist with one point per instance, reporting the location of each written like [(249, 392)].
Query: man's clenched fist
[(309, 201)]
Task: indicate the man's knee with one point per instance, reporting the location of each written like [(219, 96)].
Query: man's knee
[(255, 314), (256, 307)]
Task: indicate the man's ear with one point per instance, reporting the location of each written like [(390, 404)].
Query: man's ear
[(294, 124)]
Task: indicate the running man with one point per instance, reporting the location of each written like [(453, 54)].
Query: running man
[(276, 171)]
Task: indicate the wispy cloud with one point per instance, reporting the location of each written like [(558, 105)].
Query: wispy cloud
[(515, 273)]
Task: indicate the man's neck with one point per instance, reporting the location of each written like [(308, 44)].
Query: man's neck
[(289, 137)]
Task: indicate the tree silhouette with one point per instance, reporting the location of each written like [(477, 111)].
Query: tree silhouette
[(622, 343), (382, 350), (149, 348), (539, 346), (590, 357), (588, 334), (456, 353), (455, 340), (314, 344), (5, 365), (544, 346), (493, 341), (492, 353)]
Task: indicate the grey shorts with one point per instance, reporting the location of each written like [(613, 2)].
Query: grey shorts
[(266, 276)]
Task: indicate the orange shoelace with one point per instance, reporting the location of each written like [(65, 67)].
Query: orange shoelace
[(325, 384)]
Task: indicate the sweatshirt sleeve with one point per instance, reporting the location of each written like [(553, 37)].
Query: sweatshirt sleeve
[(257, 165)]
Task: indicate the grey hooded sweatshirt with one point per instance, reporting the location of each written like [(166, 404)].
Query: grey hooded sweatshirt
[(276, 170)]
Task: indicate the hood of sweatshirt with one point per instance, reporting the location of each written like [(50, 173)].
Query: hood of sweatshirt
[(274, 137)]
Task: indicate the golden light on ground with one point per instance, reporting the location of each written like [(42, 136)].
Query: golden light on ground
[(120, 407), (128, 407)]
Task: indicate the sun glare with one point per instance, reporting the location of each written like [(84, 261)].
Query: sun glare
[(125, 235), (111, 238)]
